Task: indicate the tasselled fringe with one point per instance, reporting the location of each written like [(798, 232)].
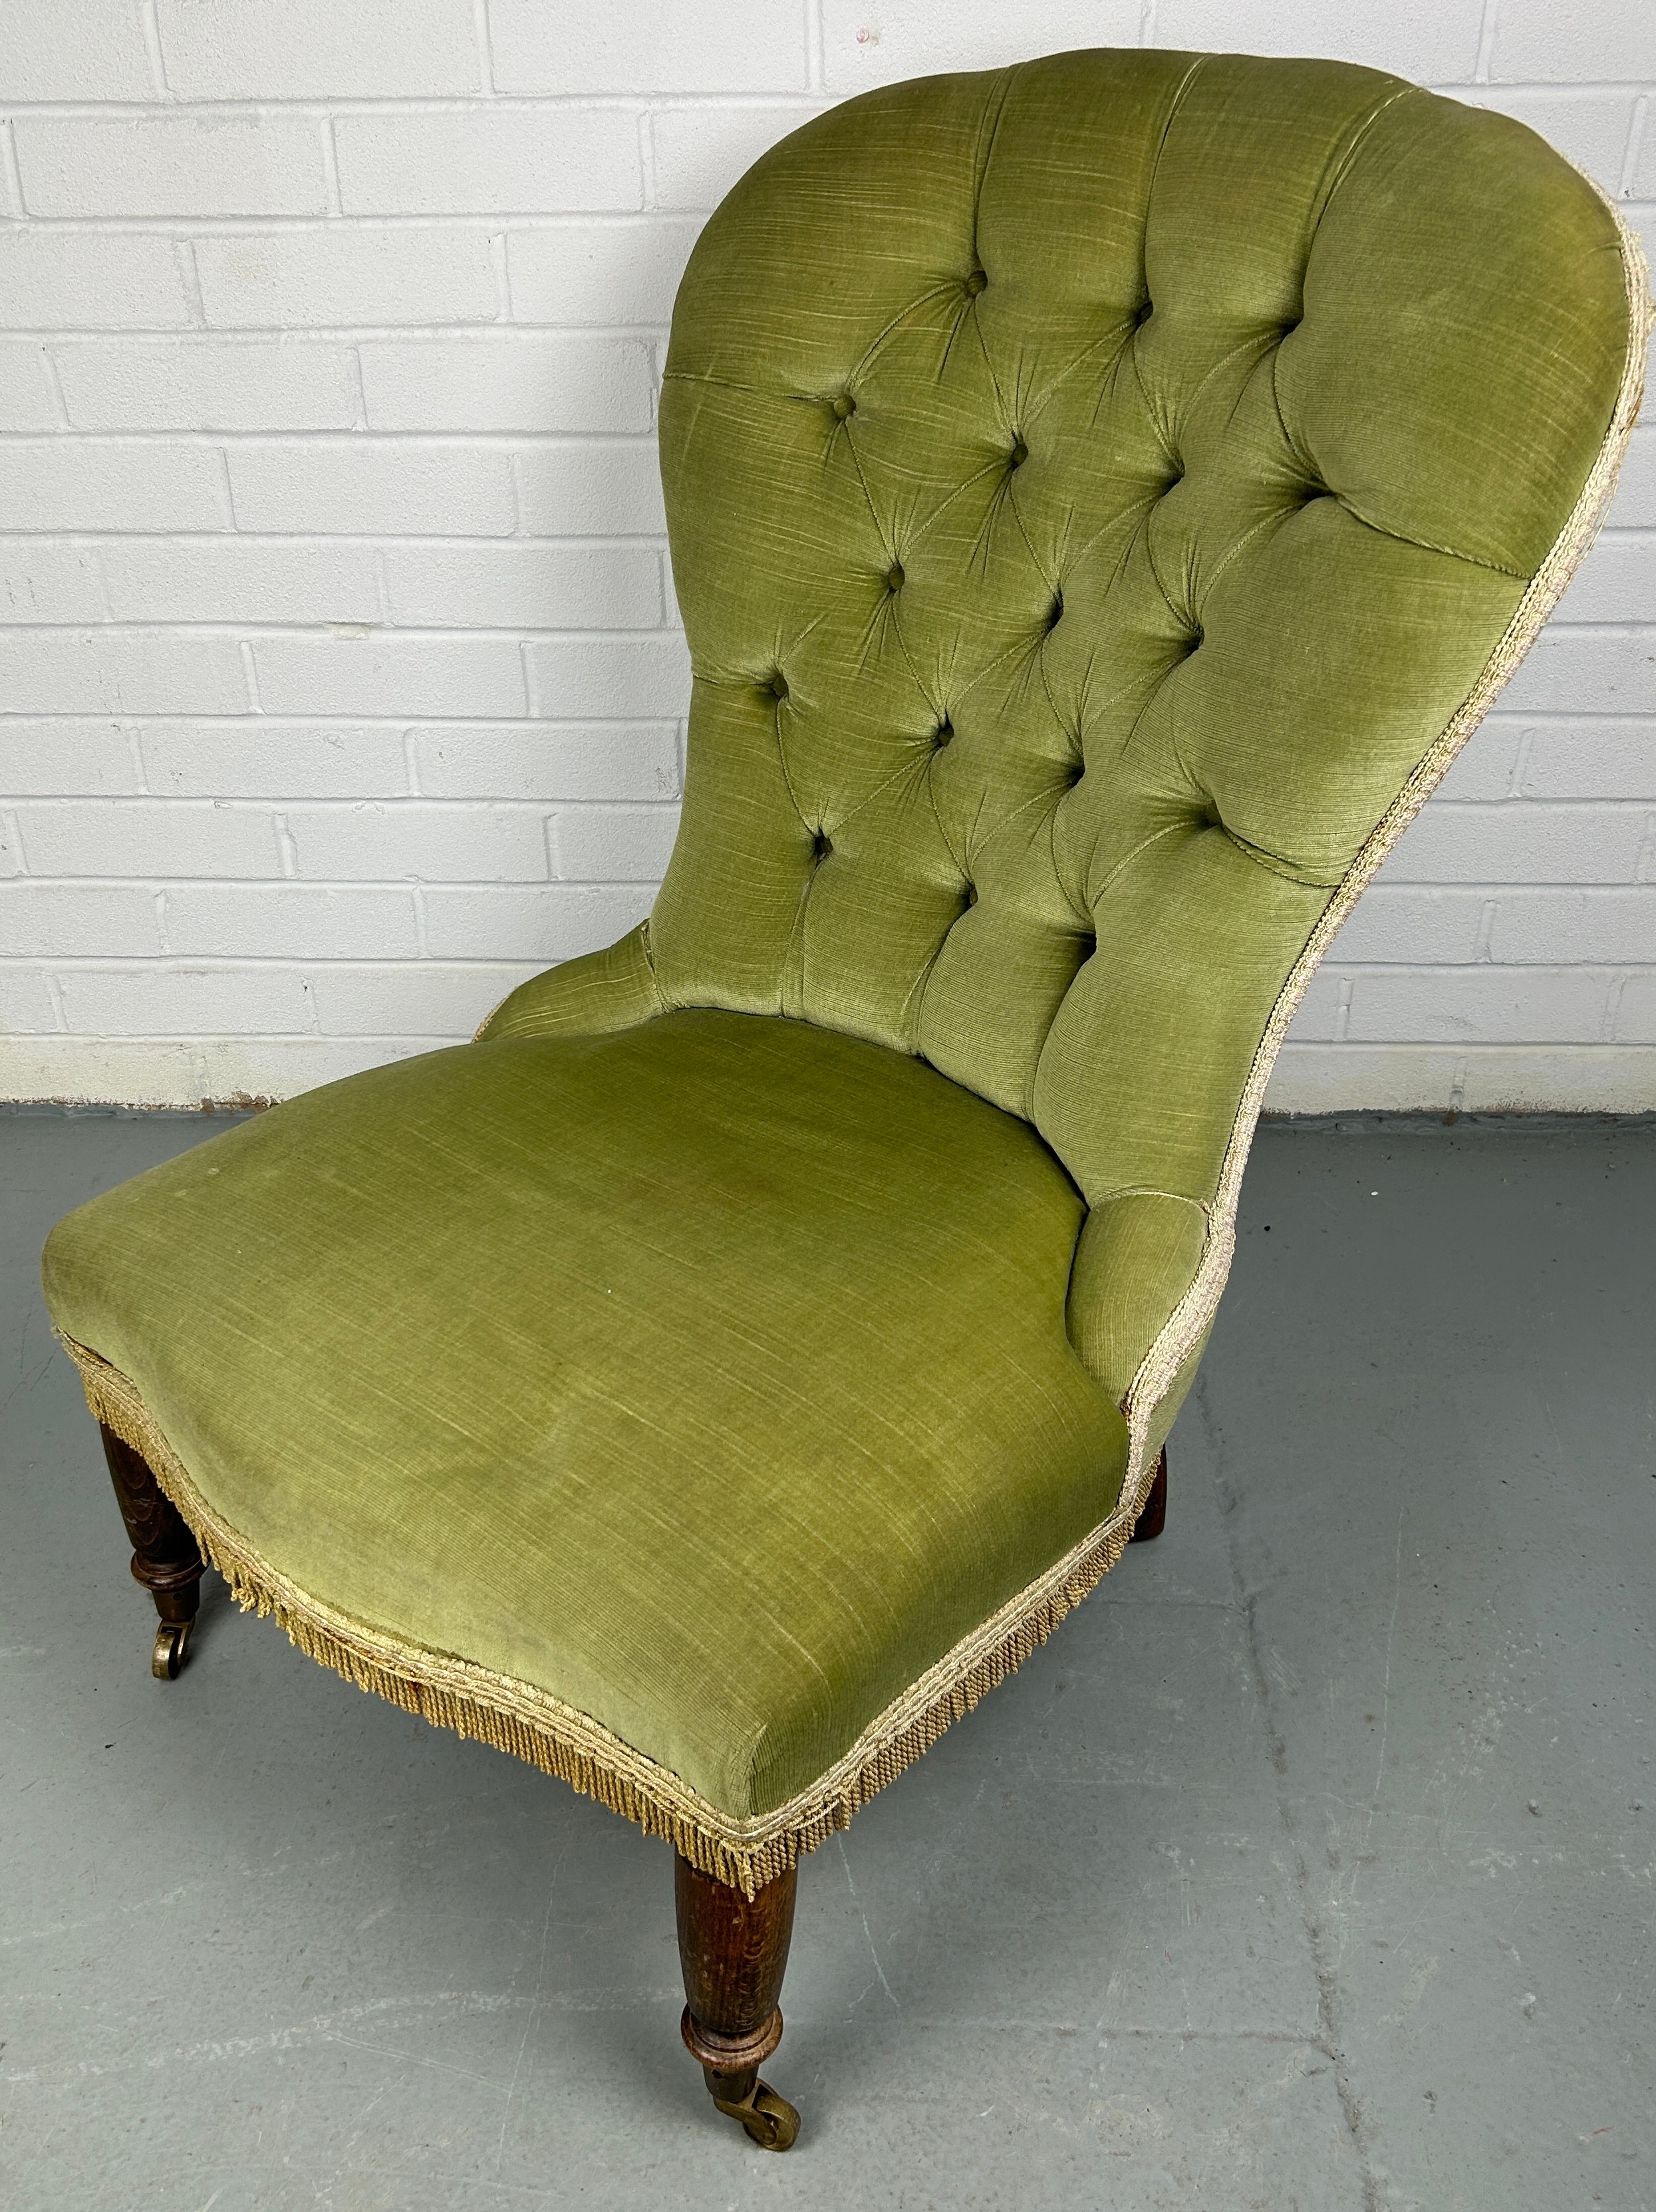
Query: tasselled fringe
[(537, 1727)]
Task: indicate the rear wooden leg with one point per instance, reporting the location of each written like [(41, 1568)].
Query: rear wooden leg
[(165, 1558), (734, 1951), (1153, 1519)]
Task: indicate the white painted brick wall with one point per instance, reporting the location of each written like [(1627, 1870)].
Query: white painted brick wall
[(493, 159), (367, 488), (28, 397), (317, 49), (118, 280), (207, 383), (340, 686), (348, 273), (236, 164), (524, 381)]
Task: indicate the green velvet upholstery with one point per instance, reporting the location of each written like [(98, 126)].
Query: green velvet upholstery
[(1100, 493), (711, 1376)]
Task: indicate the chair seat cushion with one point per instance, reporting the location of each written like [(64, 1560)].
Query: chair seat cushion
[(710, 1377)]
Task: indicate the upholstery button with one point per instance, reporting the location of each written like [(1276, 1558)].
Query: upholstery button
[(779, 685), (1056, 613), (976, 282), (893, 577), (1145, 314), (970, 892), (943, 734), (820, 848), (844, 406), (1019, 455), (1193, 639)]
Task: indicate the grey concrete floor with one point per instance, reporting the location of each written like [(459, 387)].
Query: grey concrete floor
[(1309, 1866)]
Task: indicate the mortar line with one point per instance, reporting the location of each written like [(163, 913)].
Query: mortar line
[(14, 175)]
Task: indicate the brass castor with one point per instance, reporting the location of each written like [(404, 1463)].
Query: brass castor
[(167, 1654), (770, 2120)]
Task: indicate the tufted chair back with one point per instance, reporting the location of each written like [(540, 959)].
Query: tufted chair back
[(1103, 494)]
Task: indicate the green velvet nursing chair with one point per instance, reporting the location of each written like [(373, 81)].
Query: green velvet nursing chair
[(1104, 495)]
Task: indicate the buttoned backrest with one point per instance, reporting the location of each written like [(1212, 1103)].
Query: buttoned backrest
[(1103, 495), (1093, 488)]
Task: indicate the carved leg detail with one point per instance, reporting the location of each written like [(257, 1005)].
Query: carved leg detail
[(734, 1951), (1153, 1519), (164, 1559)]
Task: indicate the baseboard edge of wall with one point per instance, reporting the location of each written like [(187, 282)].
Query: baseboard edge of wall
[(1312, 1081)]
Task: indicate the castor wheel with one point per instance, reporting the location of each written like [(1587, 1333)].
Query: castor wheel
[(770, 2120), (167, 1654)]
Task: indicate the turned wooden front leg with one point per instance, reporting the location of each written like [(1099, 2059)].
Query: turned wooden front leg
[(165, 1557), (734, 1951)]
